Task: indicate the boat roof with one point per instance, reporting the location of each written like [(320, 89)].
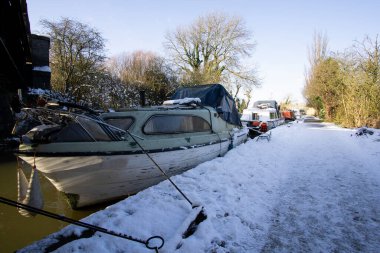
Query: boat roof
[(257, 109), (271, 103), (214, 95), (162, 108)]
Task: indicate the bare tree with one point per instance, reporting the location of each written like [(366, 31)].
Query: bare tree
[(143, 71), (210, 51), (286, 103), (345, 87), (77, 53), (318, 50), (317, 53), (364, 80), (368, 55)]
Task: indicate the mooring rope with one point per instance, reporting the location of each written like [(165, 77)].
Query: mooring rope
[(162, 171), (147, 242)]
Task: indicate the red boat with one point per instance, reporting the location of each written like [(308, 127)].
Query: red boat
[(288, 115)]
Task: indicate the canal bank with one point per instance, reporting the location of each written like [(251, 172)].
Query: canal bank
[(17, 231), (310, 188)]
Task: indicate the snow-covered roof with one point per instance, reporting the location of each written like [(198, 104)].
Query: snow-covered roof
[(42, 68)]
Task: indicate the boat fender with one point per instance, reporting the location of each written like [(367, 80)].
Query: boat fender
[(22, 185), (29, 193)]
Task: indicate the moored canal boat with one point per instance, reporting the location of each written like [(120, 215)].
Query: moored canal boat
[(94, 158), (263, 116)]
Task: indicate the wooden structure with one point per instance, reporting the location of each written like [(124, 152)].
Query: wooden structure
[(24, 59), (15, 52)]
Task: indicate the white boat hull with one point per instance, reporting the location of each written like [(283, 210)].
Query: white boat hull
[(92, 179)]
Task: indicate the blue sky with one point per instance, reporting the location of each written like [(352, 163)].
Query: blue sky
[(282, 30)]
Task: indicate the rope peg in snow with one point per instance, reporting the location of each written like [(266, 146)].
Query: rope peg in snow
[(201, 216), (186, 229)]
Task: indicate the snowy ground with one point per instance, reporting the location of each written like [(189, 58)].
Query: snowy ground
[(312, 188)]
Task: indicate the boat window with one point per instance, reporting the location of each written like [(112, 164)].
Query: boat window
[(93, 128), (122, 123), (71, 133), (170, 124), (272, 115), (255, 116)]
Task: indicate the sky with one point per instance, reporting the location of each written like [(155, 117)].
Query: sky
[(282, 30), (292, 194)]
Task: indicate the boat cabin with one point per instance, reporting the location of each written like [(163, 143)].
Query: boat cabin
[(261, 118), (288, 115)]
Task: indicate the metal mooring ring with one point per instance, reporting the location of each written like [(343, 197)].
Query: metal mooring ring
[(153, 238)]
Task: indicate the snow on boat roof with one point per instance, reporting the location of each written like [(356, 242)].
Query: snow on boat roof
[(183, 101), (257, 109)]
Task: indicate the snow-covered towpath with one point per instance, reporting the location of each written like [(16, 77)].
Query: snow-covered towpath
[(329, 201), (312, 188)]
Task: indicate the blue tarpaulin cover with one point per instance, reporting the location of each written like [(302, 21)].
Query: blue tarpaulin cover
[(214, 95)]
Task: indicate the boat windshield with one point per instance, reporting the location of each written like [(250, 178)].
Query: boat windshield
[(84, 129), (93, 129)]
